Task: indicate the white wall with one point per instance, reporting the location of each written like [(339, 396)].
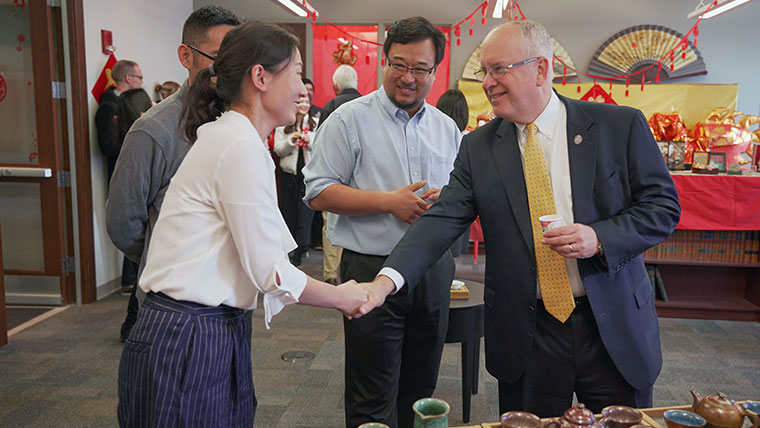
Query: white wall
[(144, 31), (728, 42)]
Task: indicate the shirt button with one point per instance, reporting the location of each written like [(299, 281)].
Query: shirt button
[(411, 148), (531, 308)]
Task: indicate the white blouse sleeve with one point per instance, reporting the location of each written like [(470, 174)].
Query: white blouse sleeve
[(282, 144), (247, 200)]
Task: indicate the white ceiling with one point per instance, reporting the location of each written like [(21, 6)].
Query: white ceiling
[(354, 11)]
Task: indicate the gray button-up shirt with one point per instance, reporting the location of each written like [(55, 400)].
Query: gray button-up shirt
[(371, 144)]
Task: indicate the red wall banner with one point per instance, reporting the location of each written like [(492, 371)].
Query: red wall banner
[(328, 41), (441, 83)]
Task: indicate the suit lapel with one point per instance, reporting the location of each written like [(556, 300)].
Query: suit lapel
[(581, 152), (509, 165)]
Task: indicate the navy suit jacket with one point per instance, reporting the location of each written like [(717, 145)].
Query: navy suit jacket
[(621, 188)]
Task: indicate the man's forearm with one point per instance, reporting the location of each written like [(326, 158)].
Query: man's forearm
[(342, 199)]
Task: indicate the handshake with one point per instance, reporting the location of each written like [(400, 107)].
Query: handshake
[(356, 299)]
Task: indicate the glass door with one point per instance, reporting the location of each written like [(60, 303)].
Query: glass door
[(31, 180)]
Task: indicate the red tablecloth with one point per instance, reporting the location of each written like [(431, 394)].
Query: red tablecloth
[(718, 202)]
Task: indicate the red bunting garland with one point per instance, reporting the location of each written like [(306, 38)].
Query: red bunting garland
[(312, 14)]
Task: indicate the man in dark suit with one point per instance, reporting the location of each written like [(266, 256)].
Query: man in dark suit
[(127, 75), (609, 183)]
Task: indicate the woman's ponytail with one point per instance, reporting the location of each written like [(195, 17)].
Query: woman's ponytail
[(202, 104)]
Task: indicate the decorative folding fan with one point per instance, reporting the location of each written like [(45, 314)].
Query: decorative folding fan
[(636, 48), (473, 63)]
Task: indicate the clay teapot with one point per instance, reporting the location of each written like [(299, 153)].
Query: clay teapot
[(720, 411), (575, 417)]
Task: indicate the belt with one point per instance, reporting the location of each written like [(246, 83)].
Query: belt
[(581, 303)]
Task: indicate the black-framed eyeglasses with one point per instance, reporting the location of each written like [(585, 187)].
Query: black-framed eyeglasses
[(498, 71), (207, 55), (137, 76), (401, 69)]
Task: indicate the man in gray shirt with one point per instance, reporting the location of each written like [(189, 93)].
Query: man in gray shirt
[(155, 146), (378, 163)]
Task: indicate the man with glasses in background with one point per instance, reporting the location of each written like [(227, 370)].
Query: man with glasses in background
[(569, 309), (127, 75), (154, 148), (378, 163)]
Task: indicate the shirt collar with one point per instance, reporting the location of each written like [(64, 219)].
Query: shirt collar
[(243, 123), (546, 120), (397, 113)]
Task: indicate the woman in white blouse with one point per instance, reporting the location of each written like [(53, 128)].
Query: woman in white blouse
[(219, 241), (292, 144)]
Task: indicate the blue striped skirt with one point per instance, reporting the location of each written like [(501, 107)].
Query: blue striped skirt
[(186, 365)]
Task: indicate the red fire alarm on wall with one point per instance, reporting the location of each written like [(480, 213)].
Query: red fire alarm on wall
[(106, 39)]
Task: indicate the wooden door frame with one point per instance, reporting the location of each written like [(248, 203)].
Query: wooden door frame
[(81, 129), (3, 314)]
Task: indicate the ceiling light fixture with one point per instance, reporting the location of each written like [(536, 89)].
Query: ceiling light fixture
[(720, 7), (500, 7), (297, 8)]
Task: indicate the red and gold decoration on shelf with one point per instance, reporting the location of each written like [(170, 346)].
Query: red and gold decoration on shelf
[(726, 131), (668, 126)]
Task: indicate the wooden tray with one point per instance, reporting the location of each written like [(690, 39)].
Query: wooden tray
[(463, 293), (651, 416)]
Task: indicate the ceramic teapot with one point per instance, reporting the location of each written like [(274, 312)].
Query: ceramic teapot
[(720, 411), (575, 417)]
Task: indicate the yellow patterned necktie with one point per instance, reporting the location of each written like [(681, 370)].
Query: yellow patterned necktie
[(552, 271)]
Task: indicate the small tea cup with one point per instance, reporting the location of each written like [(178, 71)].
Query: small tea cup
[(753, 406), (683, 419), (620, 417), (517, 419)]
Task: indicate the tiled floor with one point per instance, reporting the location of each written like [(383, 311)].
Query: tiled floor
[(62, 372)]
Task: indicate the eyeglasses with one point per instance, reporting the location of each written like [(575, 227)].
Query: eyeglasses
[(498, 71), (417, 72), (137, 76), (207, 55)]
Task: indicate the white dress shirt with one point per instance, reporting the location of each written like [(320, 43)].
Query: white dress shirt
[(220, 238), (552, 134)]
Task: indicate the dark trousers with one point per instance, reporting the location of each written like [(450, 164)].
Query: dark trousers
[(392, 354), (186, 365), (298, 216), (129, 277), (567, 358), (128, 272)]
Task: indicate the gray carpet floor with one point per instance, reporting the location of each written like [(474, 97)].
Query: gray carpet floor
[(62, 372)]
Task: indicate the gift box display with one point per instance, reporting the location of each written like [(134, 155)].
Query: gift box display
[(724, 132), (671, 135)]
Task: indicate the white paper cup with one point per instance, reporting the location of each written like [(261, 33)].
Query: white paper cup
[(551, 221), (456, 284)]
